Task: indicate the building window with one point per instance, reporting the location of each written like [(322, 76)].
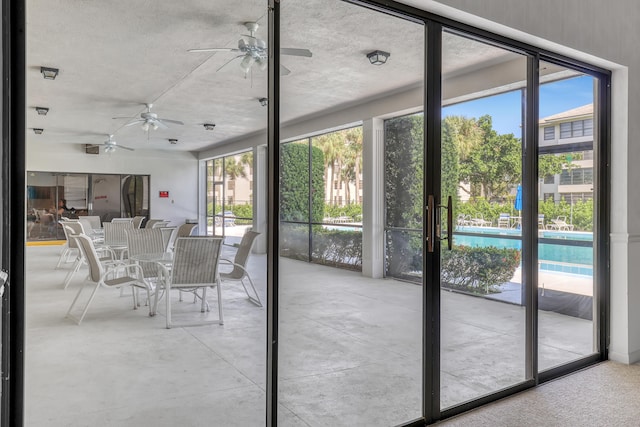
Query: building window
[(575, 129), (548, 196), (549, 133), (576, 176), (231, 185), (549, 179)]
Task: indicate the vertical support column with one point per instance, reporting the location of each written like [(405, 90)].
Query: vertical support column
[(260, 198), (373, 198)]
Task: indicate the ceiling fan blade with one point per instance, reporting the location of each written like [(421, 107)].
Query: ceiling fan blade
[(135, 122), (175, 122), (284, 70), (295, 52), (129, 118), (123, 147), (215, 49), (160, 124), (229, 61)]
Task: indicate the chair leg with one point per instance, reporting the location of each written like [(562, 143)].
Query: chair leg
[(203, 304), (256, 299), (168, 302), (65, 253), (219, 302), (86, 307), (70, 274)]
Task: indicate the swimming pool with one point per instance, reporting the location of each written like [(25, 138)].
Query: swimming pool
[(558, 257)]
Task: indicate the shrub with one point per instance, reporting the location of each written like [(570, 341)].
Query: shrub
[(294, 183), (478, 269), (330, 247)]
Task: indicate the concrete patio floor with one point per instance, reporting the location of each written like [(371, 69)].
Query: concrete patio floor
[(349, 352)]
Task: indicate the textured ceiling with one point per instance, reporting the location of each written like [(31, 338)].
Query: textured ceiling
[(114, 56)]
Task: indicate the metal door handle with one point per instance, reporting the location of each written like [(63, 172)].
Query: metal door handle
[(430, 223)]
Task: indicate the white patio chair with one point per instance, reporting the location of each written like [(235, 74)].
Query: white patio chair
[(137, 221), (115, 236), (112, 276), (504, 220), (152, 222), (107, 256), (146, 241), (194, 267), (70, 246), (239, 272), (169, 235)]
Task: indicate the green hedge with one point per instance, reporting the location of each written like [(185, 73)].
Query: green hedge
[(330, 247), (581, 214), (478, 270), (294, 183)]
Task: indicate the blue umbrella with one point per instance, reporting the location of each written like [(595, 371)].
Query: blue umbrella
[(517, 205)]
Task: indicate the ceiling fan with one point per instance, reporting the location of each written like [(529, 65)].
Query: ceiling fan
[(151, 120), (253, 51), (110, 145)]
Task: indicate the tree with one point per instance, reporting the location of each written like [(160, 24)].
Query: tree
[(294, 183), (331, 146), (494, 166)]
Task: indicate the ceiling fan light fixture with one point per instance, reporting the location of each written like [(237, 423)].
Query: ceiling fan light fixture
[(262, 63), (38, 131), (49, 73), (109, 149), (246, 63), (145, 126), (378, 57), (154, 125), (42, 111), (209, 126)]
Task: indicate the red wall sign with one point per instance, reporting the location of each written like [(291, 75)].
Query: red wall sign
[(164, 194)]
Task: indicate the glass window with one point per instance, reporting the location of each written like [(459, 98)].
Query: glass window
[(549, 133)]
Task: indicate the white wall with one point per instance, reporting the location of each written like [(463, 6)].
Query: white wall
[(176, 172)]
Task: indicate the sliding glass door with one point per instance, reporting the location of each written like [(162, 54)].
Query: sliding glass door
[(482, 205)]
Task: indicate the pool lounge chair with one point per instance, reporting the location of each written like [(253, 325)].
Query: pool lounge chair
[(504, 220), (560, 224)]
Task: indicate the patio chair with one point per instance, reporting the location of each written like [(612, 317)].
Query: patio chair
[(111, 276), (152, 222), (239, 272), (560, 224), (137, 221), (107, 256), (194, 267), (90, 222), (70, 246), (186, 230), (479, 221), (168, 236), (146, 241), (541, 222), (504, 220)]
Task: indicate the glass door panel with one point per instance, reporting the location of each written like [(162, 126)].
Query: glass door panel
[(483, 328), (349, 346), (567, 145)]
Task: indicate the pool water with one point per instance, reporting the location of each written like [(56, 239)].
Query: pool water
[(552, 257)]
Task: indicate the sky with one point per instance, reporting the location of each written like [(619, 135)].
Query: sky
[(506, 110)]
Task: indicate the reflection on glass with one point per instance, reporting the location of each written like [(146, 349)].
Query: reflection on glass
[(566, 294), (403, 169), (482, 309)]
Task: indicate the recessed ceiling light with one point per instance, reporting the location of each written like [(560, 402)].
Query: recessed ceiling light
[(173, 141), (378, 57), (49, 73), (209, 126), (42, 110), (38, 131)]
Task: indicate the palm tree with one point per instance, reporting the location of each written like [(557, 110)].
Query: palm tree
[(332, 146), (234, 169)]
